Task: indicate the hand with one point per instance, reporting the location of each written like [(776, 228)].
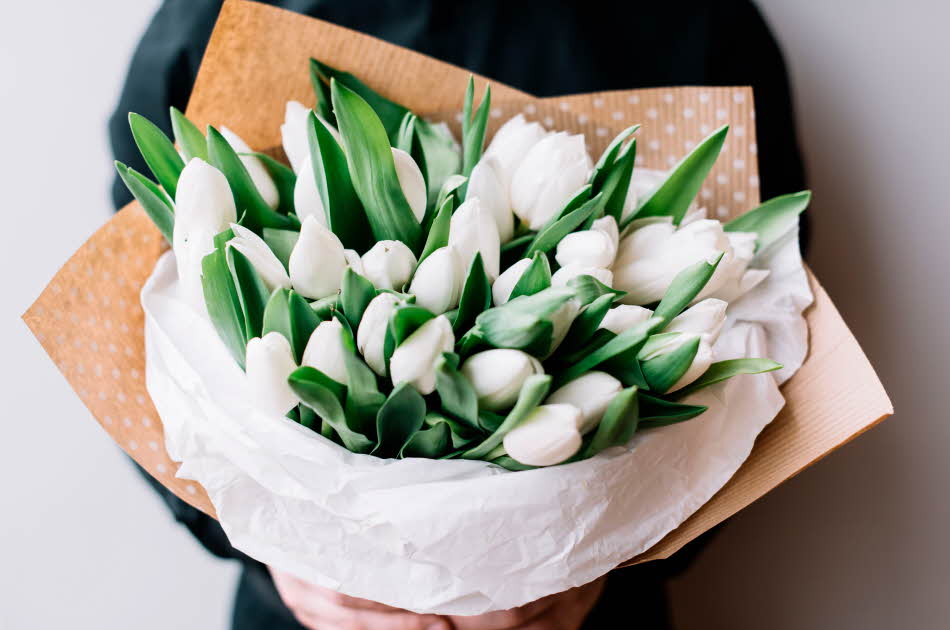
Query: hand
[(563, 611), (320, 608)]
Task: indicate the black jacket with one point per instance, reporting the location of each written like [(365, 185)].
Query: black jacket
[(544, 48)]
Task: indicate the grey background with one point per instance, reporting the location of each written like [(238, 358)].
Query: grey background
[(858, 541)]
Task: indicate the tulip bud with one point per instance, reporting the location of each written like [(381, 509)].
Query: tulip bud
[(437, 283), (255, 168), (705, 318), (411, 181), (591, 393), (371, 334), (565, 274), (498, 375), (269, 362), (700, 363), (307, 200), (505, 283), (353, 260), (265, 263), (551, 173), (595, 247), (204, 207), (511, 144), (295, 135), (317, 261), (325, 350), (473, 230), (389, 265), (487, 184), (739, 279), (414, 360), (548, 436), (624, 317)]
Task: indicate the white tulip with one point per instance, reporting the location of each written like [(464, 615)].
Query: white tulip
[(411, 181), (414, 360), (204, 207), (624, 317), (651, 257), (267, 265), (596, 247), (498, 375), (353, 260), (487, 184), (473, 230), (549, 435), (565, 274), (307, 199), (704, 318), (389, 265), (255, 168), (511, 144), (371, 334), (295, 135), (269, 362), (643, 182), (742, 279), (437, 283), (701, 361), (325, 350), (505, 283), (317, 261), (591, 393), (550, 174)]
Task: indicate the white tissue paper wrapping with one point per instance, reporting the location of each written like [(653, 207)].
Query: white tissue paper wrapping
[(456, 536)]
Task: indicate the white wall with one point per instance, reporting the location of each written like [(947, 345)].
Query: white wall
[(84, 543), (861, 539)]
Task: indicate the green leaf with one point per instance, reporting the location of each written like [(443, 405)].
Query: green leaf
[(773, 219), (522, 323), (673, 196), (390, 114), (363, 398), (462, 435), (628, 339), (159, 152), (476, 295), (321, 89), (398, 420), (456, 393), (437, 156), (344, 212), (585, 325), (251, 291), (438, 236), (685, 287), (532, 393), (625, 367), (152, 199), (322, 400), (284, 179), (617, 185), (618, 424), (289, 314), (656, 412), (548, 238), (373, 170), (536, 278), (588, 288), (450, 189), (430, 443), (325, 307), (355, 295), (473, 135), (282, 243), (407, 133), (403, 321), (513, 465), (313, 375), (723, 370), (662, 372), (581, 197), (247, 199), (189, 138), (609, 158), (221, 298)]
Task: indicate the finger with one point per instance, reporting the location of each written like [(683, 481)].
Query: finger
[(355, 603), (505, 619), (366, 619)]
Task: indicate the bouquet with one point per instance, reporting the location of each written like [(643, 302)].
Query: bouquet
[(451, 376), (407, 297)]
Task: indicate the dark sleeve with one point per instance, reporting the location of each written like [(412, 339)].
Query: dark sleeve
[(161, 75)]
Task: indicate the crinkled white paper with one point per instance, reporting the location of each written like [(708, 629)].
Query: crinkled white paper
[(455, 537)]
